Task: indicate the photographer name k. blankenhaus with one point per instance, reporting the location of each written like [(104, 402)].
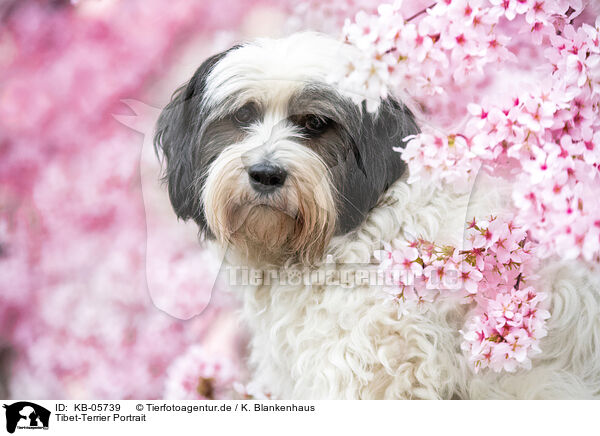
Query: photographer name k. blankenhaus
[(279, 408)]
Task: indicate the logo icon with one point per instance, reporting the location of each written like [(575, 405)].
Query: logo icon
[(26, 415)]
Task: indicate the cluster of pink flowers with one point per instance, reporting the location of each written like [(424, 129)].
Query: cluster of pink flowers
[(491, 272), (444, 159), (548, 140), (506, 334), (541, 132), (447, 51), (425, 55)]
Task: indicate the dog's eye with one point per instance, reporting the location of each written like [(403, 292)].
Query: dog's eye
[(246, 114), (314, 124)]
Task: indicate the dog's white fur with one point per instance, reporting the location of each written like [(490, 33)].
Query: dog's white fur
[(331, 341)]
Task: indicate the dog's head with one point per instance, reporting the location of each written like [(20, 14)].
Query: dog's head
[(268, 156)]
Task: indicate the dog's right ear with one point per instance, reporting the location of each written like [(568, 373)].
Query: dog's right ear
[(176, 136)]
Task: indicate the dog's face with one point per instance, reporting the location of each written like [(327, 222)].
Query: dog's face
[(268, 157)]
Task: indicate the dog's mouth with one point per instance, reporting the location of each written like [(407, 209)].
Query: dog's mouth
[(259, 213), (263, 230), (268, 202)]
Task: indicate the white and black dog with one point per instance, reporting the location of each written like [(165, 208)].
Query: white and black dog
[(278, 166)]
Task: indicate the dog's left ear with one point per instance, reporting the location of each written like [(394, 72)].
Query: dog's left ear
[(374, 165), (385, 131), (176, 136)]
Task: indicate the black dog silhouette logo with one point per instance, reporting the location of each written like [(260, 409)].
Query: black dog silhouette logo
[(26, 415)]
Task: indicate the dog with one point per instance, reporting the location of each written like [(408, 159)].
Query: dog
[(284, 172)]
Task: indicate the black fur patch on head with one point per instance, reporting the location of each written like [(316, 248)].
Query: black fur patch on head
[(357, 146), (177, 134)]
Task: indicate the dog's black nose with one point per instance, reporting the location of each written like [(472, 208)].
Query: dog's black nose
[(265, 177)]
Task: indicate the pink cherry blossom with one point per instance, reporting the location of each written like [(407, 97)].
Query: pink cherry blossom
[(491, 273)]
